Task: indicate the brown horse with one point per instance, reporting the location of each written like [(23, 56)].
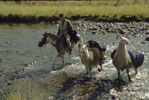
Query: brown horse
[(59, 43)]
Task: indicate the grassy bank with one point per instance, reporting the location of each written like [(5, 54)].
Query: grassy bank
[(25, 90), (94, 10)]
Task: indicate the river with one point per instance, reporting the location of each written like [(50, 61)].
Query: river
[(22, 59)]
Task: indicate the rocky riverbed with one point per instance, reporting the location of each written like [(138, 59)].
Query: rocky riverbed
[(21, 59)]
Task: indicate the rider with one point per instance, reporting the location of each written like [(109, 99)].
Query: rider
[(65, 28)]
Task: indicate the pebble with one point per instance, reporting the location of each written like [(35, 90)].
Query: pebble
[(112, 91), (147, 33), (9, 84), (17, 77), (147, 39), (8, 42), (91, 89), (147, 95), (93, 28), (93, 32), (143, 42), (51, 98), (2, 60), (11, 78), (75, 97), (113, 97), (25, 64)]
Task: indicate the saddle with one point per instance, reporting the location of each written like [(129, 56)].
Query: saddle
[(63, 38)]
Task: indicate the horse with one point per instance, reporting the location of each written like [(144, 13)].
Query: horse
[(59, 43)]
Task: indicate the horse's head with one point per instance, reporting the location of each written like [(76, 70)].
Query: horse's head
[(80, 46), (103, 56), (46, 39)]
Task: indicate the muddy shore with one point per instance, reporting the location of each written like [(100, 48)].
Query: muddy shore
[(22, 59)]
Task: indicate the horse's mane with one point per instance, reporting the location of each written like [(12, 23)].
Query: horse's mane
[(52, 36)]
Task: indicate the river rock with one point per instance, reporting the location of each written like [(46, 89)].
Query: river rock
[(147, 39), (147, 33), (9, 84), (93, 32), (51, 98), (121, 31), (143, 42), (2, 60), (113, 97), (93, 28)]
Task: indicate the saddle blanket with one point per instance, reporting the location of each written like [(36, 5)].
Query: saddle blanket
[(137, 57)]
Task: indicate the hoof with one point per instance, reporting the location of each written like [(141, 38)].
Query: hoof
[(99, 69)]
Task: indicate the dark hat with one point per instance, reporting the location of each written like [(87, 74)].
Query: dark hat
[(61, 15)]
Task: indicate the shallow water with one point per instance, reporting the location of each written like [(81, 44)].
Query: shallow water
[(21, 58)]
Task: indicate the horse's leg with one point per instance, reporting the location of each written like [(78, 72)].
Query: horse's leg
[(128, 75), (136, 71), (54, 61), (90, 69), (100, 69), (62, 60), (69, 55), (70, 51)]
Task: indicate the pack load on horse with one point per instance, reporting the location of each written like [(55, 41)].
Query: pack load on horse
[(136, 56), (101, 48), (91, 56)]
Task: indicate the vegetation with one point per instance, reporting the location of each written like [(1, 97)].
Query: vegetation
[(26, 90), (97, 10)]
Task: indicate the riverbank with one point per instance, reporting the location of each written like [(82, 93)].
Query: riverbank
[(47, 12)]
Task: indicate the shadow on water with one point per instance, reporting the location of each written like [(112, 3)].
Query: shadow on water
[(101, 87)]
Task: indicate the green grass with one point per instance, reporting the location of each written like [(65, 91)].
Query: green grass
[(103, 9)]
